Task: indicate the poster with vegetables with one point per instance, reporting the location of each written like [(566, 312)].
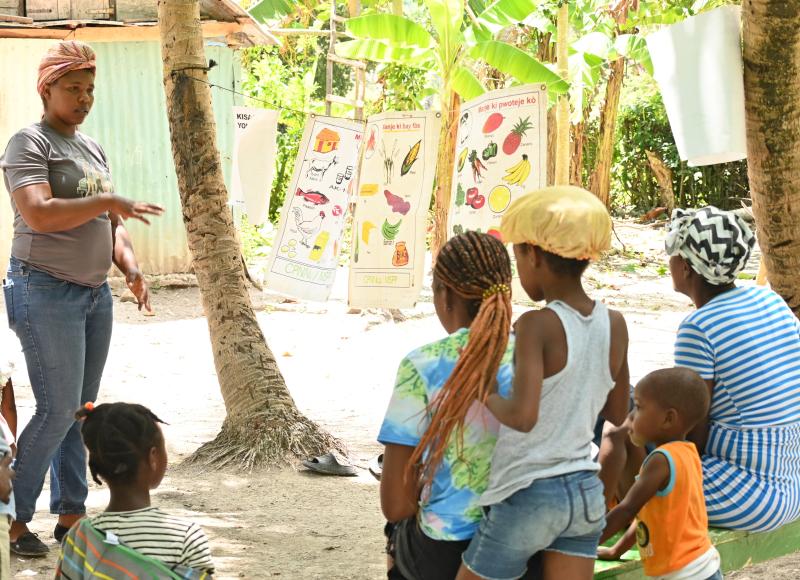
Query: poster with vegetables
[(305, 253), (501, 151), (501, 154), (398, 167)]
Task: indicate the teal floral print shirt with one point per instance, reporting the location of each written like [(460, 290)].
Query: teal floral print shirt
[(448, 507)]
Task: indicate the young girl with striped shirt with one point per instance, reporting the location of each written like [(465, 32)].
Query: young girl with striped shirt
[(127, 450)]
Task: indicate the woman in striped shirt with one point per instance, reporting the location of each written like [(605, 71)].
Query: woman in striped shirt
[(128, 452), (745, 343)]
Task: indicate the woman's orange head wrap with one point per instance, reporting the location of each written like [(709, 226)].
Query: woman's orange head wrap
[(63, 58)]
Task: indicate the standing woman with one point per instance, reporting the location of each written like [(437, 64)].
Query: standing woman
[(67, 231)]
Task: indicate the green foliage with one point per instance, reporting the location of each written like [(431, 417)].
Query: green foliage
[(451, 45), (254, 244), (293, 77), (642, 125), (287, 82), (401, 88)]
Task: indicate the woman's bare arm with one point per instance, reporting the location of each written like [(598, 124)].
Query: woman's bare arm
[(45, 213)]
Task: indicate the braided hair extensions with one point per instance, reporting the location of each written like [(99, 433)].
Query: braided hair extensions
[(476, 267), (118, 436)]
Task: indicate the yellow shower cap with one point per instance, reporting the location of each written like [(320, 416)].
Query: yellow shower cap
[(564, 220)]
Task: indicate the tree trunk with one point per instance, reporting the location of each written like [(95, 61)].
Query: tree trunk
[(771, 30), (578, 137), (600, 180), (552, 137), (444, 170), (263, 425), (663, 175)]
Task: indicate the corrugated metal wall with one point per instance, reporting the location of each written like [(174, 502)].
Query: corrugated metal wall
[(129, 120), (19, 106)]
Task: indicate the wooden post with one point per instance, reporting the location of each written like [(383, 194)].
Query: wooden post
[(562, 112)]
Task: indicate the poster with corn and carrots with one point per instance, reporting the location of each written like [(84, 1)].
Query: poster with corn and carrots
[(305, 253), (501, 151), (398, 166)]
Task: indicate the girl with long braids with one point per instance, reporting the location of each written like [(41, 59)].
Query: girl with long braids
[(544, 494), (438, 433)]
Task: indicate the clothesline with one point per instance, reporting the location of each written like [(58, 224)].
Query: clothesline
[(268, 103)]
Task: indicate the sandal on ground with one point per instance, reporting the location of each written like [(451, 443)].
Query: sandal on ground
[(59, 532), (376, 466), (328, 465), (29, 544)]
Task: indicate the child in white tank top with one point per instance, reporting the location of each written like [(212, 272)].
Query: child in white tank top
[(570, 366)]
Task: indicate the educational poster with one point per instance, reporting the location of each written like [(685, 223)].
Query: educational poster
[(398, 167), (255, 134), (305, 252), (501, 154)]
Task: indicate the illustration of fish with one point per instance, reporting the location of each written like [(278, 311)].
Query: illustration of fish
[(314, 197), (397, 203)]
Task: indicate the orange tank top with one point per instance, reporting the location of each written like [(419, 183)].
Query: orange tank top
[(672, 527)]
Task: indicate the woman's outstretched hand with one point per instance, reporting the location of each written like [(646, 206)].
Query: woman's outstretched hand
[(138, 286), (128, 208)]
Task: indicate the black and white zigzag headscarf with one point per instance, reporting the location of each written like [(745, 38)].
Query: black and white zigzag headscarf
[(716, 243)]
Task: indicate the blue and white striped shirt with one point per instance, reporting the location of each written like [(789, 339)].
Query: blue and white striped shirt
[(748, 342)]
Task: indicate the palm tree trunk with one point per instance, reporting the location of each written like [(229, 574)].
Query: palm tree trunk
[(451, 105), (263, 425), (772, 101), (600, 180)]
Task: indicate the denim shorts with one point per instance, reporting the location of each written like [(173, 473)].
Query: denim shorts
[(563, 514)]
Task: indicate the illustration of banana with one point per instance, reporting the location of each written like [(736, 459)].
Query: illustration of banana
[(366, 227), (517, 174), (390, 231)]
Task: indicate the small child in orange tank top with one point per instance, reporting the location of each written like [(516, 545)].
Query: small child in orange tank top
[(671, 523)]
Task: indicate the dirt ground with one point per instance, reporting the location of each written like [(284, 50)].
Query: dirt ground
[(340, 367)]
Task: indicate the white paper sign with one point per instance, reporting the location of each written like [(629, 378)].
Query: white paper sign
[(698, 66), (254, 153), (306, 249), (398, 168)]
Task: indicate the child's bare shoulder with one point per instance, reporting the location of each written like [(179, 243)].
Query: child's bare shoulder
[(619, 328), (540, 322)]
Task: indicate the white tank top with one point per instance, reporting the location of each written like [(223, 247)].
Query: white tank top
[(560, 443)]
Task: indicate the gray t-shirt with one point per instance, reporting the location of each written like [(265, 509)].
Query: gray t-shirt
[(74, 167)]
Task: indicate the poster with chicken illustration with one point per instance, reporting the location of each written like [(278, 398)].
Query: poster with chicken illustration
[(398, 167), (501, 154), (501, 151), (305, 253)]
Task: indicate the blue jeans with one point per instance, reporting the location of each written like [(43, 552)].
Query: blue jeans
[(563, 514), (65, 332)]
